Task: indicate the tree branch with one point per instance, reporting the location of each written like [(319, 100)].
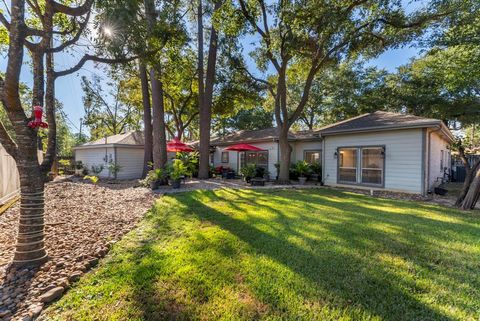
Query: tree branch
[(72, 11), (88, 57), (7, 142)]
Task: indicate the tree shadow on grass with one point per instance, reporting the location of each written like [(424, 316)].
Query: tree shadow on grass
[(330, 270)]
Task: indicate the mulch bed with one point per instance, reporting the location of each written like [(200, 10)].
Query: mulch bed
[(82, 221)]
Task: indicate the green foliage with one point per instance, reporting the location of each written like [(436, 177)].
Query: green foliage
[(302, 168), (110, 112), (249, 170), (157, 175), (177, 170), (96, 169), (191, 162), (250, 119), (114, 168)]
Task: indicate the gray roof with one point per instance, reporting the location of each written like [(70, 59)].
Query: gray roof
[(379, 120), (134, 138), (268, 134)]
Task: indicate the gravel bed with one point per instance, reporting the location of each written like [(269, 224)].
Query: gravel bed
[(82, 221)]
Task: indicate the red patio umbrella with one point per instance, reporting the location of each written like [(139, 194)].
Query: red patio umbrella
[(175, 145), (242, 148)]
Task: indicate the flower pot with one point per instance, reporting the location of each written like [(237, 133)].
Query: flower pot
[(302, 180), (154, 185), (175, 183)]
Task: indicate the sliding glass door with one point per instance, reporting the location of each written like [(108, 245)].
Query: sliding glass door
[(368, 169)]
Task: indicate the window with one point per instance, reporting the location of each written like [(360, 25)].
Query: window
[(361, 165), (313, 156), (258, 158), (225, 157), (347, 165), (212, 158), (372, 165)]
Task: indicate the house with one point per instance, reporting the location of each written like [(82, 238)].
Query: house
[(125, 150), (380, 150)]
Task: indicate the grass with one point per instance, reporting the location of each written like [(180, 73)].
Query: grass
[(286, 255)]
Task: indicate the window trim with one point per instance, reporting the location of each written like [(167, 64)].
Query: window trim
[(226, 160), (305, 151), (359, 168)]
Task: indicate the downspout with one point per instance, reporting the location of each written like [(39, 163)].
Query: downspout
[(429, 157), (115, 160)]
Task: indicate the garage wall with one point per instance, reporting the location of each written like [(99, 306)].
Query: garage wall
[(94, 157), (403, 157), (130, 161)]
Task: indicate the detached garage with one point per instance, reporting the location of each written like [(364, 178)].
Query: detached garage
[(125, 150)]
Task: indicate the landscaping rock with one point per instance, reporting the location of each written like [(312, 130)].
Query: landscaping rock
[(82, 221), (51, 295)]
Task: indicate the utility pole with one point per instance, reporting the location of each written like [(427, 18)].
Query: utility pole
[(80, 133)]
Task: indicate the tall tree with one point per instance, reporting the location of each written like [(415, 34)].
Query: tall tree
[(319, 34), (206, 82)]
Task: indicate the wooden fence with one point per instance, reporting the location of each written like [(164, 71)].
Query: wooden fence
[(9, 181)]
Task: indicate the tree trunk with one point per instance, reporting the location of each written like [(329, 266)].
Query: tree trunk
[(147, 121), (469, 175), (207, 101), (204, 157), (30, 249), (158, 122), (285, 152), (473, 193)]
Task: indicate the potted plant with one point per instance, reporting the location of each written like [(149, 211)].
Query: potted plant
[(248, 172), (79, 168), (316, 169), (302, 168), (154, 179), (177, 172)]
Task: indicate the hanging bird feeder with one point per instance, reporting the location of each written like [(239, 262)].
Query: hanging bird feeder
[(37, 122)]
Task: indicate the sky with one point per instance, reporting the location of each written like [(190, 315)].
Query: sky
[(69, 91)]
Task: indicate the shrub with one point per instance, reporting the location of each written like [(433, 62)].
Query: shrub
[(154, 176), (191, 162), (302, 168), (78, 165), (97, 169), (249, 171), (93, 179), (177, 170), (113, 169)]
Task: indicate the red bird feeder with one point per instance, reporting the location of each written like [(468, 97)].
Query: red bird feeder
[(37, 122)]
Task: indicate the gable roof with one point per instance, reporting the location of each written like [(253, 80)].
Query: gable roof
[(380, 120), (134, 138)]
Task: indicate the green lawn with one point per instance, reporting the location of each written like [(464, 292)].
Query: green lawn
[(286, 255)]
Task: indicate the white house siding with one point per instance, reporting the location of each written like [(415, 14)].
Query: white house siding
[(299, 148), (130, 160), (271, 147), (94, 157), (436, 145), (403, 156)]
